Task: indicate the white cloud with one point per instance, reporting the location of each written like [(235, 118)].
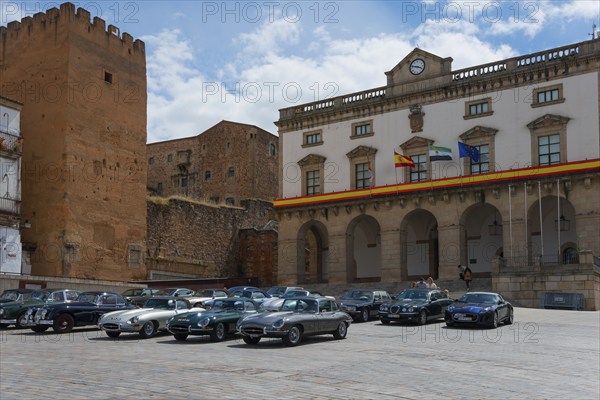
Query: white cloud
[(184, 101)]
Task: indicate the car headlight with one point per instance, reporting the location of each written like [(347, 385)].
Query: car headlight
[(411, 309), (383, 307), (1, 311), (278, 324), (43, 313), (204, 322), (486, 309), (134, 320)]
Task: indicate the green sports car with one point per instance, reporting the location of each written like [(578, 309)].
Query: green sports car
[(218, 322)]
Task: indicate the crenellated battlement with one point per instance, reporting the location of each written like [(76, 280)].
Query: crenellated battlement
[(79, 20)]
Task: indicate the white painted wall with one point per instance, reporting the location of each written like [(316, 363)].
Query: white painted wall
[(444, 123), (10, 120), (10, 250)]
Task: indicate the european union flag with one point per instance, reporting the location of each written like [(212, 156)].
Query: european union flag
[(464, 150)]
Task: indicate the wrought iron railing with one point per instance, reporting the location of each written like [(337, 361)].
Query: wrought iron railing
[(10, 205), (527, 262)]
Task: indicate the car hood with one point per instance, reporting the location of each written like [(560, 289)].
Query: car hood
[(352, 302), (470, 307), (409, 303), (269, 318), (126, 314)]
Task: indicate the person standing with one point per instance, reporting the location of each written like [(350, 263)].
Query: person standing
[(431, 284), (467, 275)]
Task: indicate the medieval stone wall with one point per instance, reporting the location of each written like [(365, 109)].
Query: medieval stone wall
[(228, 161), (193, 239), (83, 89)]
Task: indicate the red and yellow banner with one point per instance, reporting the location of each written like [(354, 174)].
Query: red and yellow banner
[(447, 183)]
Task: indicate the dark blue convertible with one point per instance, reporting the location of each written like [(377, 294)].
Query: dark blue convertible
[(479, 308)]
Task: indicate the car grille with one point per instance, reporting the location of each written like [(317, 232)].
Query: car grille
[(111, 327), (252, 330), (178, 328), (395, 309)]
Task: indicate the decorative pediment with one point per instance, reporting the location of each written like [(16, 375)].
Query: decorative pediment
[(361, 151), (416, 142), (430, 66), (478, 132), (312, 159), (548, 120)]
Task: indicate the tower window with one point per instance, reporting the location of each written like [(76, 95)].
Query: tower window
[(108, 77)]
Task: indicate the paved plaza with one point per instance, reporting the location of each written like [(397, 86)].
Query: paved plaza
[(544, 354)]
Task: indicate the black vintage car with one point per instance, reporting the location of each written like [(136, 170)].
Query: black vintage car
[(85, 310), (298, 317), (363, 304), (15, 312), (415, 305)]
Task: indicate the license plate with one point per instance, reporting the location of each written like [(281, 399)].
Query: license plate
[(463, 319), (351, 308), (393, 315)]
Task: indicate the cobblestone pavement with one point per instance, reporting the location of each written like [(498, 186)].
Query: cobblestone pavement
[(544, 354)]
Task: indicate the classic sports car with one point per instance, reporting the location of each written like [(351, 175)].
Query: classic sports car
[(279, 291), (85, 310), (299, 317), (176, 292), (15, 312), (480, 308), (274, 304), (256, 295), (131, 294), (203, 295), (218, 322), (147, 320), (362, 304), (15, 295), (415, 305)]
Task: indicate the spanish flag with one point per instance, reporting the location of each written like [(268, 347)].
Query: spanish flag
[(402, 161)]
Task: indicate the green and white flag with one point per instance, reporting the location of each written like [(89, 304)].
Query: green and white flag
[(439, 153)]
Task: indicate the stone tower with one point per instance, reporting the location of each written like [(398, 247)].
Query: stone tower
[(83, 89)]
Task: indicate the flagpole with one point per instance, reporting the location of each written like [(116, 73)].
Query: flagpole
[(510, 233), (526, 236), (541, 220), (558, 213)]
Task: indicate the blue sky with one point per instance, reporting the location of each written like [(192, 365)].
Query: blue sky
[(243, 61)]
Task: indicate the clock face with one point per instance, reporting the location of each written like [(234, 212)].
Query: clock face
[(417, 66)]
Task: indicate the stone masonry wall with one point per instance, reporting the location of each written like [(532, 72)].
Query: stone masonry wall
[(198, 239)]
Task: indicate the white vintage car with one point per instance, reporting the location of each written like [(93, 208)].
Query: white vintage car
[(147, 320)]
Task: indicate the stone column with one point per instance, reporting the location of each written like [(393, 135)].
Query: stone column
[(391, 270), (336, 263), (450, 254), (287, 254)]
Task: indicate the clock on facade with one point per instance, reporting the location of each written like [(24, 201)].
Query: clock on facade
[(417, 66)]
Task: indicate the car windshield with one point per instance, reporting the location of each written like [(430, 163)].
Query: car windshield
[(221, 305), (480, 298), (87, 298), (357, 295), (40, 295), (132, 292), (166, 304), (295, 293), (412, 294), (166, 292), (300, 305), (204, 293), (277, 290)]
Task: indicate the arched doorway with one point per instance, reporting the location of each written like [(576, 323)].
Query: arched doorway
[(419, 247), (483, 233), (313, 250), (363, 244), (554, 240)]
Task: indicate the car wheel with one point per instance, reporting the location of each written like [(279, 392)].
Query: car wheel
[(21, 320), (385, 321), (341, 331), (422, 317), (218, 333), (494, 323), (509, 318), (293, 337), (180, 337), (148, 330), (39, 329), (364, 315), (112, 334), (251, 340), (64, 323)]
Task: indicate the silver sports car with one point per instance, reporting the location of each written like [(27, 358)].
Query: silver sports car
[(147, 320)]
